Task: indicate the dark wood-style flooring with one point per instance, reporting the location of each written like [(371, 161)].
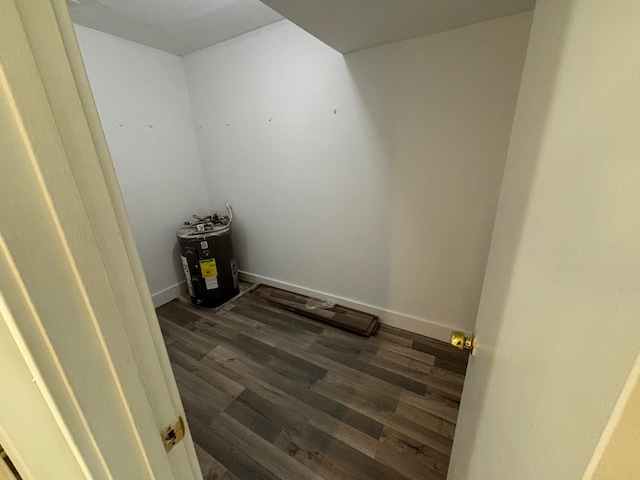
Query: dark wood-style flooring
[(272, 395)]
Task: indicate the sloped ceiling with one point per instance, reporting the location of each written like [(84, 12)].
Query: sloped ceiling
[(183, 26), (350, 25), (175, 26)]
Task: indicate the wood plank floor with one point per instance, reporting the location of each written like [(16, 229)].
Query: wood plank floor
[(273, 395)]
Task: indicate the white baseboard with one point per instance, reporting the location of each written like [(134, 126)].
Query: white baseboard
[(169, 293), (392, 318)]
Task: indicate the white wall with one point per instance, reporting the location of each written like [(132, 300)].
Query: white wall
[(390, 200), (142, 99), (558, 323)]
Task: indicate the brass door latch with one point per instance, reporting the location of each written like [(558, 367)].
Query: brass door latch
[(463, 342), (172, 434)]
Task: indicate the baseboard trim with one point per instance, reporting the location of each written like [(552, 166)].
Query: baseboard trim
[(169, 293), (388, 317)]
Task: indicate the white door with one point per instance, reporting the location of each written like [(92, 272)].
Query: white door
[(559, 319), (87, 385)]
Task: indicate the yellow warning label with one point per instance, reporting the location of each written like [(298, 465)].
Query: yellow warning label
[(208, 268)]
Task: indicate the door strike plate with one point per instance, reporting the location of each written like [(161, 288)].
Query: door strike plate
[(172, 434)]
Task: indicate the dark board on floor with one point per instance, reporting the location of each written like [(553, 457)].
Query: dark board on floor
[(346, 318)]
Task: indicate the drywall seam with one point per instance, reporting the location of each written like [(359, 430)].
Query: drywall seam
[(195, 130), (392, 318)]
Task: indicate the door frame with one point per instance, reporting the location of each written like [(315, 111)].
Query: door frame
[(79, 337)]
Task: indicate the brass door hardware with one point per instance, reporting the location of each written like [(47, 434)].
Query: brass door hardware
[(463, 342), (172, 434)]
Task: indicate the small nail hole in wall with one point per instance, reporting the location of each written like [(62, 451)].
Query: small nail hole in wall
[(335, 110), (150, 126)]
